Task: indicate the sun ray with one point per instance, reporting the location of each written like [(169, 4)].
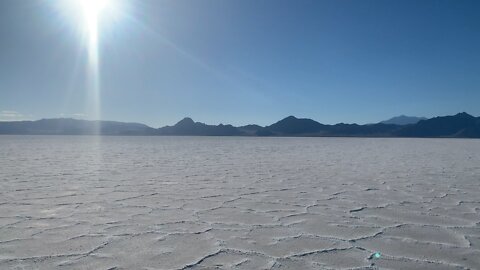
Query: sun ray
[(92, 10)]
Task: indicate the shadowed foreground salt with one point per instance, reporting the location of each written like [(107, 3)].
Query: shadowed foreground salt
[(69, 202)]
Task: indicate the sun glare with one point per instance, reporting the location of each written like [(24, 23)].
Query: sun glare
[(92, 13), (91, 18)]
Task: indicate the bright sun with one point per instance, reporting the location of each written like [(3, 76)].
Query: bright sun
[(92, 10)]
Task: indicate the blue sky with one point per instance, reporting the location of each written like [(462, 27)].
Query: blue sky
[(244, 61)]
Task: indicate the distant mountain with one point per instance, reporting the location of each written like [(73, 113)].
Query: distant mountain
[(403, 120), (461, 125), (250, 129), (294, 126), (354, 130), (188, 127), (68, 126)]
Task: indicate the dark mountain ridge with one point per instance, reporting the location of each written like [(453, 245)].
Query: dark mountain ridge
[(187, 127), (295, 126), (461, 125)]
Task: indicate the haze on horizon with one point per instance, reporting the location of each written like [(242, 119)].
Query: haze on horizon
[(242, 62)]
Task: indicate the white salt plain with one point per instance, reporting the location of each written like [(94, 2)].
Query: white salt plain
[(79, 202)]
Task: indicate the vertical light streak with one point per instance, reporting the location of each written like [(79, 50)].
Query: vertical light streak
[(91, 12), (93, 69)]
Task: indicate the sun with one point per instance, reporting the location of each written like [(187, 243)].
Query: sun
[(91, 12), (92, 18)]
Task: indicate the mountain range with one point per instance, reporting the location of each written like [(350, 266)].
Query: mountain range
[(403, 120), (461, 125)]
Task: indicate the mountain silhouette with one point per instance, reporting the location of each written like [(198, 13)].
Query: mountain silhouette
[(295, 126), (68, 126), (403, 120), (250, 129), (355, 130), (461, 125), (188, 127)]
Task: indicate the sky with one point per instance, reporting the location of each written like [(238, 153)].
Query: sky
[(242, 61)]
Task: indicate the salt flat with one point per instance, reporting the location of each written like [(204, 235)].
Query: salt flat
[(79, 202)]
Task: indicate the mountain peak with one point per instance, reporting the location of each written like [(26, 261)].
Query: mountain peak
[(464, 115), (293, 125), (291, 117), (187, 121)]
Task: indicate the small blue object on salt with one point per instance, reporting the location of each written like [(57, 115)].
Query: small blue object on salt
[(377, 255)]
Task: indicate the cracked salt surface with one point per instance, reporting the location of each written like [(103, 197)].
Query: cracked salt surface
[(79, 202)]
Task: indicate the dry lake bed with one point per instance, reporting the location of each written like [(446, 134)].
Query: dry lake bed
[(80, 202)]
